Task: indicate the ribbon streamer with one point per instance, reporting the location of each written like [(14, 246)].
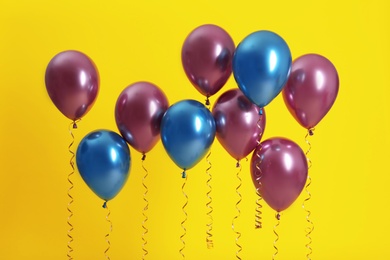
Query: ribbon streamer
[(277, 216), (145, 242), (184, 175), (209, 225), (238, 165), (258, 218), (71, 162), (107, 236), (309, 229)]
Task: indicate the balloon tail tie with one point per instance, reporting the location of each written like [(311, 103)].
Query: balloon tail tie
[(258, 218), (185, 216), (107, 236), (209, 234), (207, 102), (310, 225), (238, 211), (277, 216), (145, 242), (71, 162)]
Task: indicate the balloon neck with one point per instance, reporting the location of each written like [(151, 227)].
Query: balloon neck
[(74, 125), (311, 131), (143, 157), (105, 205), (184, 175), (207, 101)]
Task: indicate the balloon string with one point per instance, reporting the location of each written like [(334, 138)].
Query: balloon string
[(71, 162), (258, 218), (277, 216), (309, 229), (145, 242), (184, 175), (238, 210), (209, 234), (107, 236)]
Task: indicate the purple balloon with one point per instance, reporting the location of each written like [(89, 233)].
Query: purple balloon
[(138, 113), (207, 58), (311, 89), (237, 121), (282, 174), (72, 82)]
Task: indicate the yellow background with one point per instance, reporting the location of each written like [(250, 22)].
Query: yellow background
[(141, 40)]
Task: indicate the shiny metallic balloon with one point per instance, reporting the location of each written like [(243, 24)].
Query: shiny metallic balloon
[(187, 132), (206, 56), (72, 82), (103, 160), (261, 65), (311, 89), (283, 172), (240, 123), (138, 113)]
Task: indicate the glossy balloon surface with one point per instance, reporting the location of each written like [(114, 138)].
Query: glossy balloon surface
[(187, 132), (103, 160), (261, 65), (72, 82)]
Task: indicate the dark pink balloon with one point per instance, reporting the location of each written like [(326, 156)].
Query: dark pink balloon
[(237, 122), (206, 56), (72, 82), (138, 113), (282, 174), (311, 89)]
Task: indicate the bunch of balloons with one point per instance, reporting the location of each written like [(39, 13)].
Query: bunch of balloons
[(262, 67)]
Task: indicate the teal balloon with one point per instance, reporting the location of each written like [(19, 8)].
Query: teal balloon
[(187, 132), (261, 66), (103, 160)]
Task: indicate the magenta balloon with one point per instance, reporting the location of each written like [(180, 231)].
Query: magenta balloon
[(237, 123), (207, 58), (138, 113), (311, 89), (72, 82), (283, 172)]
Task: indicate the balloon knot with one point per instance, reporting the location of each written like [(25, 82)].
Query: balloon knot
[(143, 157), (260, 111), (184, 174), (311, 131), (277, 216), (105, 204), (238, 164), (74, 125), (207, 101)]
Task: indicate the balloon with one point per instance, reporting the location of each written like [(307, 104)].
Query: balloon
[(261, 65), (103, 160), (72, 82), (283, 172), (311, 89), (187, 132), (237, 121), (138, 113), (207, 58)]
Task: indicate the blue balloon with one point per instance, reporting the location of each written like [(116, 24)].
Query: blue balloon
[(103, 160), (261, 66), (187, 132)]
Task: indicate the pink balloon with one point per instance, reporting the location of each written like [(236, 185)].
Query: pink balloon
[(72, 82), (311, 89), (282, 174), (138, 113), (237, 123), (206, 56)]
